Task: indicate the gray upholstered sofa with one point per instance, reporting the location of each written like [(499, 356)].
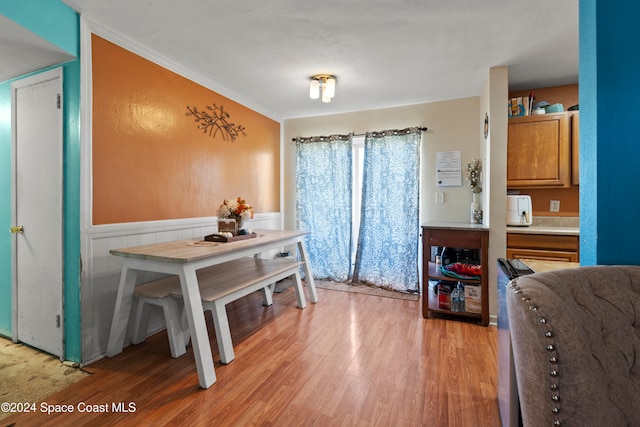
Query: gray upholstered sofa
[(576, 345)]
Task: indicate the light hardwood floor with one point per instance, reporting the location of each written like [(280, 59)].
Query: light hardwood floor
[(350, 360)]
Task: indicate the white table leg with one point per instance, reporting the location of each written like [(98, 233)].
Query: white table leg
[(121, 310), (197, 327), (223, 333), (313, 294), (267, 294), (302, 303)]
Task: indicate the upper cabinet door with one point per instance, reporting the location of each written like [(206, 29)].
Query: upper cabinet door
[(575, 148), (538, 151)]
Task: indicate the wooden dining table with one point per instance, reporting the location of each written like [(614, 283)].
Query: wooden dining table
[(183, 258)]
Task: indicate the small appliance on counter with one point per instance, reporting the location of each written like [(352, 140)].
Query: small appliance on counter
[(519, 210)]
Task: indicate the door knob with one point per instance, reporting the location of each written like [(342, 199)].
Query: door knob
[(17, 229)]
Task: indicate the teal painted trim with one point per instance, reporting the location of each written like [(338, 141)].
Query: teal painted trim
[(72, 301), (588, 95), (5, 211), (57, 23), (617, 38), (609, 130), (71, 141), (52, 20)]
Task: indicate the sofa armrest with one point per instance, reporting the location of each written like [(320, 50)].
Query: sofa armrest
[(575, 345)]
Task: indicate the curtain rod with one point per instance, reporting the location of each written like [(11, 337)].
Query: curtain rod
[(339, 137)]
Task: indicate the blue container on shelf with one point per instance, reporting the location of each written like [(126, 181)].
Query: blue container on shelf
[(555, 108)]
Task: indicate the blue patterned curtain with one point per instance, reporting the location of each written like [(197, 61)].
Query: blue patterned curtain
[(323, 203), (387, 253)]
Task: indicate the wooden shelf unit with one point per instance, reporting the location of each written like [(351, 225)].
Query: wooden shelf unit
[(461, 236)]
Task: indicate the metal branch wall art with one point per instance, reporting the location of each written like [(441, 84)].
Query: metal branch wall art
[(215, 120)]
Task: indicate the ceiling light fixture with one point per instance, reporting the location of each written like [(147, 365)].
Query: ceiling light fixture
[(325, 84)]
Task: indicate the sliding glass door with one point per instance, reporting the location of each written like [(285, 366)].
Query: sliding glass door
[(358, 198)]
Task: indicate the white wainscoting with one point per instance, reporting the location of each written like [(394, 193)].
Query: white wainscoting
[(101, 270)]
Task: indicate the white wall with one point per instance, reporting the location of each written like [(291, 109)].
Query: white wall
[(493, 101), (453, 125)]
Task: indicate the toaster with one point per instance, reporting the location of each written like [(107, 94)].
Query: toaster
[(519, 210)]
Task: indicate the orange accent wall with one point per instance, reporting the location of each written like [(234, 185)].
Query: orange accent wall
[(151, 162), (540, 197)]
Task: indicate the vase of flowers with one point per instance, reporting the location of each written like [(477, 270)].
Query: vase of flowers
[(474, 167), (237, 209)]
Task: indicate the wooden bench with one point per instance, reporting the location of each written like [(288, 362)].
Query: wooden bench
[(219, 285), (235, 279), (158, 293)]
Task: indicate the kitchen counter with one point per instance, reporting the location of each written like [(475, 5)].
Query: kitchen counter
[(539, 266), (455, 225), (539, 229), (561, 226)]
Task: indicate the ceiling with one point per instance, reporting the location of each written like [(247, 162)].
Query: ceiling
[(383, 52), (23, 52)]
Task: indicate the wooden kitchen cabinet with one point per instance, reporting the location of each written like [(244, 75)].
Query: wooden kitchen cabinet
[(539, 151), (460, 236), (575, 148), (543, 247)]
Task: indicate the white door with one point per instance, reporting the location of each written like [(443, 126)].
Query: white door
[(37, 211)]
